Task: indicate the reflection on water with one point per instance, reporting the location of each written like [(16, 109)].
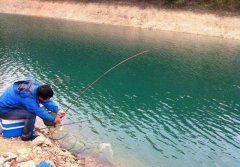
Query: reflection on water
[(177, 106)]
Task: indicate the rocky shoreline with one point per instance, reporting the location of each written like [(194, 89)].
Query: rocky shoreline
[(17, 153), (134, 15), (46, 147)]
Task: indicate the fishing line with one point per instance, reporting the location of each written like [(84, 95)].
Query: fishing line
[(91, 85), (75, 122), (105, 73), (51, 132), (87, 120)]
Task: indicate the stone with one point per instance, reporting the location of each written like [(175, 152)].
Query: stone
[(7, 164), (1, 160), (47, 143), (8, 156), (30, 163), (106, 152), (23, 158), (41, 140), (65, 154), (24, 151), (37, 150), (23, 154)]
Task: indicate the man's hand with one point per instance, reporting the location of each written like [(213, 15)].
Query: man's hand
[(58, 119), (61, 113)]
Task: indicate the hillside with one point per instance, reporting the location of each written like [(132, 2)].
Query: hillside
[(151, 15)]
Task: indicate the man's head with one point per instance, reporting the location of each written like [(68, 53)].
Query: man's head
[(44, 92)]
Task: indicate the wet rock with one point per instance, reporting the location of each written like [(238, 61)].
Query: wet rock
[(57, 80), (81, 160), (106, 152), (238, 138)]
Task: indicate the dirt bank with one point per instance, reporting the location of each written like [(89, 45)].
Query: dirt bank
[(125, 15)]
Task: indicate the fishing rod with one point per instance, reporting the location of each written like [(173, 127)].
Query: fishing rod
[(96, 80), (105, 73)]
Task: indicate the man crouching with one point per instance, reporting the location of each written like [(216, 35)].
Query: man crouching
[(22, 101)]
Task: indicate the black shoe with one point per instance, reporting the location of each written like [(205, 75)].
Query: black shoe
[(29, 139)]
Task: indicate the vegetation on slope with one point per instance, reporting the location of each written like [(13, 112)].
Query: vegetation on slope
[(219, 6)]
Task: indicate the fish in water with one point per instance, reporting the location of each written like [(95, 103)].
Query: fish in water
[(238, 138), (57, 80), (106, 152)]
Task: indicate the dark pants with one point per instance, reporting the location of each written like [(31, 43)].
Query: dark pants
[(29, 117)]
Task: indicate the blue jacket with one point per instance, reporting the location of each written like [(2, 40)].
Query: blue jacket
[(23, 95)]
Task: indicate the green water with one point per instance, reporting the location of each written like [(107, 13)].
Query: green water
[(176, 106)]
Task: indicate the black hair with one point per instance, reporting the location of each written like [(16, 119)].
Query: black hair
[(45, 91)]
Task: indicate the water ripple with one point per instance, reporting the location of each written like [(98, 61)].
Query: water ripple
[(177, 106)]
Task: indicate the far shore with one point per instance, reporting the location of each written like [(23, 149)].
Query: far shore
[(125, 15)]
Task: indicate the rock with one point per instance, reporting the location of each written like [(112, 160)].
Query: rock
[(238, 138), (65, 154), (30, 154), (13, 163), (7, 164), (74, 165), (106, 152), (47, 143), (44, 131), (23, 154), (23, 158), (37, 150), (68, 164), (30, 163), (24, 151), (41, 140), (39, 123), (8, 156), (1, 160)]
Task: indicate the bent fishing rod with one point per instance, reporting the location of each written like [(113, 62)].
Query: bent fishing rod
[(100, 77), (105, 73)]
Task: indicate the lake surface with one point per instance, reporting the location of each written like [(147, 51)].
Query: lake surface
[(175, 106)]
